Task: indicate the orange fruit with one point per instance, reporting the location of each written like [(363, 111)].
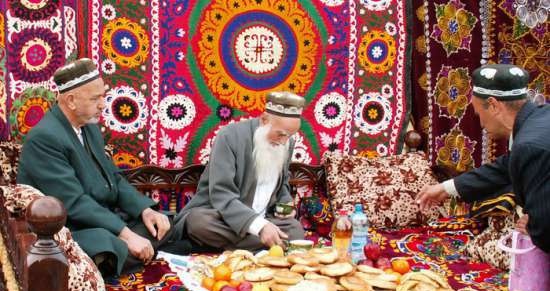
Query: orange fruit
[(400, 266), (222, 273), (234, 283), (208, 283), (219, 285)]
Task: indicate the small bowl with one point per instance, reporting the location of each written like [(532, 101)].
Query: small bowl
[(283, 208), (300, 245)]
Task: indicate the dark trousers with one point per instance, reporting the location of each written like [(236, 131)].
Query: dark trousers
[(106, 262)]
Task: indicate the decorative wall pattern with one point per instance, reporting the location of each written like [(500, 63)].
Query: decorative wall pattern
[(179, 70), (36, 38), (452, 38)]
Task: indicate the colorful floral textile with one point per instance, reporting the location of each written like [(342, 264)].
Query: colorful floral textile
[(451, 39), (156, 276), (441, 252), (484, 246), (39, 37), (178, 71), (385, 186)]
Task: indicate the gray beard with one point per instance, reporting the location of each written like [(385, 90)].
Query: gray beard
[(269, 159)]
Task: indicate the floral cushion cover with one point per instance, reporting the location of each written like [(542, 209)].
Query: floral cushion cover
[(83, 273), (385, 186)]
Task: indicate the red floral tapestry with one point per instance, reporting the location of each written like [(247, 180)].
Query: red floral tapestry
[(452, 38), (177, 71), (36, 37)]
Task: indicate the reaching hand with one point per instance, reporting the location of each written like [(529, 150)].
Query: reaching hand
[(272, 235), (431, 195), (138, 246), (521, 224), (153, 218)]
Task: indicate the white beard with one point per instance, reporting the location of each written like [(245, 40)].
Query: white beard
[(269, 158)]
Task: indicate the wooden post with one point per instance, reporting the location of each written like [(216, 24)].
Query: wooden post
[(46, 265)]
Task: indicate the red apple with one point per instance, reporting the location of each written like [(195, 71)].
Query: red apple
[(383, 263), (367, 262), (228, 288), (372, 251), (245, 286)]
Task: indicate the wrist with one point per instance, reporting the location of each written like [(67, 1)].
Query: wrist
[(125, 234), (146, 212)]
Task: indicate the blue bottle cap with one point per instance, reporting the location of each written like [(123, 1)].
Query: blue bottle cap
[(358, 208)]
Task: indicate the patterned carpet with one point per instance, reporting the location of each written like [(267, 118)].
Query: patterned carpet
[(439, 247)]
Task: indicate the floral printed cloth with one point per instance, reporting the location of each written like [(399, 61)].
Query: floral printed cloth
[(386, 186), (83, 273)]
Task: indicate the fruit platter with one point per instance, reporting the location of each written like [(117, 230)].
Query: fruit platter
[(316, 269)]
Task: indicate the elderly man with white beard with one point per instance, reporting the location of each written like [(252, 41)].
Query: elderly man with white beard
[(247, 175)]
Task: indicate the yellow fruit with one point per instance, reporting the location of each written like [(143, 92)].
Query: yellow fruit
[(208, 283), (222, 273), (276, 251), (400, 266)]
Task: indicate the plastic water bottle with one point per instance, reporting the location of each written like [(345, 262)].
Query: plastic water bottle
[(360, 234)]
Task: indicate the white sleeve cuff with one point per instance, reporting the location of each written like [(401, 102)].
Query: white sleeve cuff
[(257, 225), (450, 188)]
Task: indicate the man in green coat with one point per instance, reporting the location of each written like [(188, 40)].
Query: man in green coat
[(63, 156)]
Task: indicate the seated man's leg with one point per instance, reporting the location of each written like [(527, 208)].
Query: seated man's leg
[(292, 227), (206, 227), (104, 248)]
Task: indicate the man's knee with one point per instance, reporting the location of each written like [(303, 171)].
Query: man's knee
[(197, 223)]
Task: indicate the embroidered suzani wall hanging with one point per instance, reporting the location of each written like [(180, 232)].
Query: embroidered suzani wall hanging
[(177, 71), (36, 38)]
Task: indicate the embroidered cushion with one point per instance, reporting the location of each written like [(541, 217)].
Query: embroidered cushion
[(83, 273), (9, 159), (316, 215), (386, 186), (484, 246)]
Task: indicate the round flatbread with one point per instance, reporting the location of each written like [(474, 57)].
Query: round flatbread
[(369, 270), (302, 269), (280, 262), (287, 277), (313, 276), (279, 287), (337, 269), (353, 283), (258, 275), (303, 259), (325, 255)]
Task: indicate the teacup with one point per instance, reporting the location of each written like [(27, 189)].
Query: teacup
[(300, 245), (283, 208)]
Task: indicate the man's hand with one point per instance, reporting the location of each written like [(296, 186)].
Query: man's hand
[(431, 195), (153, 218), (271, 235), (521, 224), (138, 246)]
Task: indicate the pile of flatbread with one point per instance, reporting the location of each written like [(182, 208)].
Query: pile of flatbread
[(321, 269)]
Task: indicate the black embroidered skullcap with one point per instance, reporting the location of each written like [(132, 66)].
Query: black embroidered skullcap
[(75, 74), (501, 81)]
